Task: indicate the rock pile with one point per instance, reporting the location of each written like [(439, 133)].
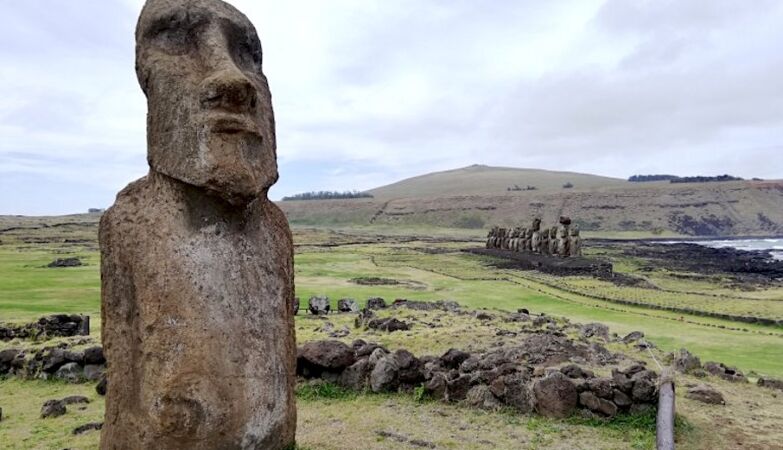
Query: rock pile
[(519, 377), (54, 363), (56, 325)]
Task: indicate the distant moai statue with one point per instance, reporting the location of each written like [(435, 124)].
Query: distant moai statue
[(197, 269), (503, 239), (575, 242), (553, 241), (563, 236), (535, 238), (491, 237), (514, 240), (545, 241), (523, 239), (528, 240)]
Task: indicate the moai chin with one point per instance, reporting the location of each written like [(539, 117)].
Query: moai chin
[(196, 262)]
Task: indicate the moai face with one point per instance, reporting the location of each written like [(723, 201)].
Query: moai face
[(545, 233), (536, 224), (210, 121)]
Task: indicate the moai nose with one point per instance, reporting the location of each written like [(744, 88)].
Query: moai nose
[(228, 90)]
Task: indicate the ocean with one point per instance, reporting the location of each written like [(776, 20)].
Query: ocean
[(775, 246)]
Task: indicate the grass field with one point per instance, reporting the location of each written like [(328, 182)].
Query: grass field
[(428, 267)]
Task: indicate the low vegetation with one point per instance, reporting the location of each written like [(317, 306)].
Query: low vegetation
[(328, 195)]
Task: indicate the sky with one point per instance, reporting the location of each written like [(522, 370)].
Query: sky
[(367, 92)]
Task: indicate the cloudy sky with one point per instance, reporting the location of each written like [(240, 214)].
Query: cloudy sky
[(369, 92)]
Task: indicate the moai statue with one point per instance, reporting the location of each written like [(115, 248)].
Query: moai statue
[(196, 263), (491, 236), (514, 239), (535, 238), (529, 240), (575, 242), (502, 238), (563, 235), (545, 241), (522, 238), (553, 241)]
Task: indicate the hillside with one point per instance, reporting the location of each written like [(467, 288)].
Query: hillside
[(476, 197), (486, 180)]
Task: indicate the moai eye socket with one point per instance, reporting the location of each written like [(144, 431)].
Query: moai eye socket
[(177, 33), (244, 47)]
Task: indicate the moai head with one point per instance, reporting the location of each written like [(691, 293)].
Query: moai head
[(575, 230), (210, 122), (536, 224), (563, 231), (545, 233), (565, 220)]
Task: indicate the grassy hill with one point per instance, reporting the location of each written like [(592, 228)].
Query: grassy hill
[(477, 197), (486, 180)]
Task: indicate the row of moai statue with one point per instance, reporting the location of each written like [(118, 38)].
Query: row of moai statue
[(562, 240)]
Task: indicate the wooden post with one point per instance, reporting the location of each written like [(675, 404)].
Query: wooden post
[(84, 328), (664, 436)]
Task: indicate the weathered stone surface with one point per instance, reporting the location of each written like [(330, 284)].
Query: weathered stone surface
[(81, 429), (723, 371), (595, 330), (71, 372), (644, 386), (376, 303), (295, 305), (705, 394), (453, 358), (356, 375), (574, 371), (685, 362), (384, 375), (435, 387), (771, 383), (318, 305), (52, 408), (457, 389), (196, 262), (389, 324), (94, 355), (632, 337), (347, 305), (597, 404), (100, 388), (481, 397), (94, 372), (319, 356), (555, 395)]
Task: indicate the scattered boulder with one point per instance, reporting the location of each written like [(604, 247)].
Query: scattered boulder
[(65, 262), (705, 394), (319, 305), (384, 375), (7, 358), (52, 408), (513, 390), (355, 376), (723, 371), (594, 330), (770, 383), (94, 372), (81, 429), (100, 388), (376, 303), (644, 386), (453, 358), (481, 315), (481, 397), (555, 395), (319, 356), (633, 336), (597, 404), (389, 324), (685, 362), (74, 399), (94, 355), (574, 371), (364, 318), (347, 305), (71, 372)]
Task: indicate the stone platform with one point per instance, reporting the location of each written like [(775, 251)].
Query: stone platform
[(578, 265)]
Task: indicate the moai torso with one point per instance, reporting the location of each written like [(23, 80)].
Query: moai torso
[(490, 237), (545, 241), (529, 240), (562, 241), (553, 241), (196, 263), (575, 242), (535, 237)]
